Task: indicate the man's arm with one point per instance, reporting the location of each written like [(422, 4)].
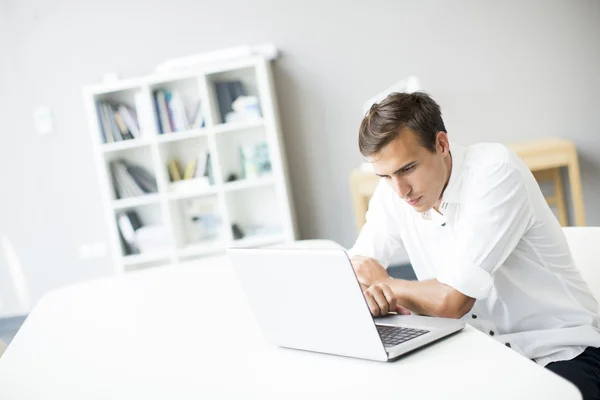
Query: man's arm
[(429, 297), (379, 238)]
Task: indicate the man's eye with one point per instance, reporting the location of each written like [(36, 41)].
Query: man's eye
[(410, 169)]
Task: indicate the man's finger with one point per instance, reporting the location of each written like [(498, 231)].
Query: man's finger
[(389, 295), (380, 299), (402, 311), (372, 304)]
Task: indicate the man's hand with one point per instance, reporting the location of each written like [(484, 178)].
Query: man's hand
[(381, 300), (368, 271)]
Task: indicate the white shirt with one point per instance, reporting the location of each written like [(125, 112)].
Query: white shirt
[(498, 242)]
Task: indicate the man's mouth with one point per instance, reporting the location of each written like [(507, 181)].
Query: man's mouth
[(414, 202)]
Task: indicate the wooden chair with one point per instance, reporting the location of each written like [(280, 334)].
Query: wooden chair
[(544, 158)]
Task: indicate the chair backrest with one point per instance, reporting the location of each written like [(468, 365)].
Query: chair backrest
[(584, 242)]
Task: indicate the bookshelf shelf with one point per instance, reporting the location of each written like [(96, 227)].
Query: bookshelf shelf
[(196, 216), (249, 183), (237, 126), (136, 201), (124, 145), (211, 191), (175, 136)]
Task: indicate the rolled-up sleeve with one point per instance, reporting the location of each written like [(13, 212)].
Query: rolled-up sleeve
[(495, 214), (380, 237)]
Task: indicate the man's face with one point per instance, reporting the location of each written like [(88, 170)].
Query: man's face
[(416, 174)]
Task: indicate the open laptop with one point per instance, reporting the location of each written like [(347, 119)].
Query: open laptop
[(311, 300)]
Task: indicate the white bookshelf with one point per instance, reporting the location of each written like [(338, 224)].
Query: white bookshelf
[(261, 206)]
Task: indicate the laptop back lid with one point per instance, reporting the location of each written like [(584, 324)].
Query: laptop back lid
[(308, 300)]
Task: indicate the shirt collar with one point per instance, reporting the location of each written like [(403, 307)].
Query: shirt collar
[(452, 192)]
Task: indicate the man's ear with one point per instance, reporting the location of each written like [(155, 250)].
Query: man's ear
[(442, 144)]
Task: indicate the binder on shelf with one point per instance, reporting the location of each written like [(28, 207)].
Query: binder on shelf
[(131, 180), (227, 93), (129, 222), (143, 178)]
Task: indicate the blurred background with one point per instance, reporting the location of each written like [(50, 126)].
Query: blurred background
[(510, 72)]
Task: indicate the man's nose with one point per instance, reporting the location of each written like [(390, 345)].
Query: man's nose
[(401, 187)]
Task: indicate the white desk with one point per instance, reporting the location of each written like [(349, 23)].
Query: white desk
[(185, 332)]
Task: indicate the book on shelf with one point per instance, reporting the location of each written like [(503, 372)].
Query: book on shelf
[(130, 119), (197, 118), (190, 169), (255, 160), (171, 112), (117, 122), (204, 167), (131, 180), (174, 170), (201, 164), (162, 113), (196, 168)]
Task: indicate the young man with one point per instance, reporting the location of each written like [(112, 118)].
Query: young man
[(481, 238)]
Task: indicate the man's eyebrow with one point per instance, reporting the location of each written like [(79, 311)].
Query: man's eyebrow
[(401, 169)]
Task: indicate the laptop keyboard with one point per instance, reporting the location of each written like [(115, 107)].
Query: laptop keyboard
[(394, 335)]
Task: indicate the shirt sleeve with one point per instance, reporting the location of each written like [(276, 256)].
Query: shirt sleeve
[(495, 214), (380, 237)]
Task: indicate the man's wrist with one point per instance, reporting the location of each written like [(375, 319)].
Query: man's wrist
[(397, 285)]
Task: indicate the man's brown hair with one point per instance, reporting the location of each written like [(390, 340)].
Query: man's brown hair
[(385, 120)]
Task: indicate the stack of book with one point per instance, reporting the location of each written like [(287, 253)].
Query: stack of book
[(131, 180), (117, 122), (171, 114)]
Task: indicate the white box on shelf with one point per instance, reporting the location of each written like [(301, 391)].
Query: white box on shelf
[(153, 238)]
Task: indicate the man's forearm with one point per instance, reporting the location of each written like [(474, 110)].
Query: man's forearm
[(431, 298)]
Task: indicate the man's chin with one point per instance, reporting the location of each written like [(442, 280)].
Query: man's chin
[(421, 208)]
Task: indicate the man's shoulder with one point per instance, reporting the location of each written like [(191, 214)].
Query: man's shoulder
[(485, 157), (487, 154)]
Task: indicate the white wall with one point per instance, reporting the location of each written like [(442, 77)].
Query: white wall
[(502, 71)]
